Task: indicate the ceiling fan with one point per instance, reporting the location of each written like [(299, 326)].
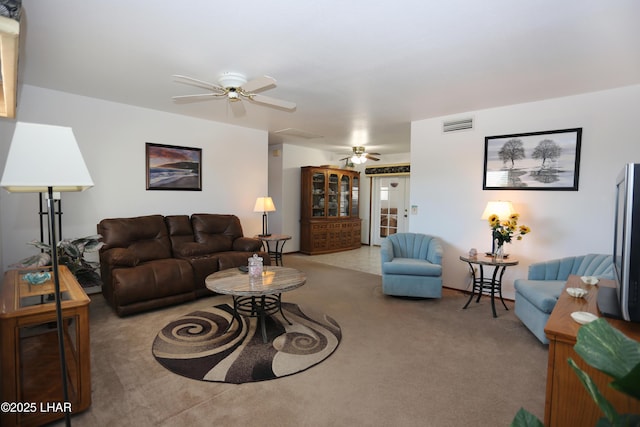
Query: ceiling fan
[(234, 87), (360, 156)]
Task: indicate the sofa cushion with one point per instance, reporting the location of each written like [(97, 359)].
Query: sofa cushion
[(144, 236), (190, 250), (216, 231), (411, 267), (151, 280), (585, 265), (543, 294), (179, 227), (412, 245)]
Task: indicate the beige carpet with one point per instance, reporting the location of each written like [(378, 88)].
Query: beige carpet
[(401, 362)]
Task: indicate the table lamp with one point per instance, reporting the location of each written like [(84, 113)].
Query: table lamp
[(503, 209), (264, 205), (47, 158)]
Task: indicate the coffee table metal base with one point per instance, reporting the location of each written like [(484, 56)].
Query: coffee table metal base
[(259, 307)]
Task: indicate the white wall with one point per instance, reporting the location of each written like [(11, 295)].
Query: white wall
[(112, 140), (446, 180), (285, 161)]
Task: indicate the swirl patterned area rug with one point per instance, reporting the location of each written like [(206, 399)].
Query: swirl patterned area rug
[(194, 345)]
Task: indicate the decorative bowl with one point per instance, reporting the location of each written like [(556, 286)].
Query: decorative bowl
[(589, 280), (577, 292), (37, 278), (583, 317)]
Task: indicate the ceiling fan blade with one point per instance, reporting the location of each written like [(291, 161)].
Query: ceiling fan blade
[(375, 159), (200, 83), (199, 95), (273, 101), (237, 108), (373, 154), (258, 84)]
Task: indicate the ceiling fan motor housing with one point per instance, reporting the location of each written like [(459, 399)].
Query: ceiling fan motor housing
[(232, 80)]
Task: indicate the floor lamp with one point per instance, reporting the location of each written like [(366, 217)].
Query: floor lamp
[(45, 158)]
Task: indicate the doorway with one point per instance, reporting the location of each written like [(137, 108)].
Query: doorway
[(390, 207)]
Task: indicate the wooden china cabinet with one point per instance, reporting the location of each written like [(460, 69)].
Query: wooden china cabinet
[(330, 216)]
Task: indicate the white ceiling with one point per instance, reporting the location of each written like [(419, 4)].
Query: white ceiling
[(359, 70)]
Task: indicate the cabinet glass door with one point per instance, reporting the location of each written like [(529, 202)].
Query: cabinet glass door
[(355, 188), (332, 197), (344, 196), (318, 196)]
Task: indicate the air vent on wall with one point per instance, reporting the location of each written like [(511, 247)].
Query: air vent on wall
[(457, 125)]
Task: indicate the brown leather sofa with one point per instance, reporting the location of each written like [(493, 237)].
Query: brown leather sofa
[(154, 261)]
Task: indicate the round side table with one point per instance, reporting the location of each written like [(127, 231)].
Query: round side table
[(275, 251), (484, 285)]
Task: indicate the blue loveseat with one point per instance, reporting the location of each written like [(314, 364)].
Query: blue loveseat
[(537, 295), (411, 265)]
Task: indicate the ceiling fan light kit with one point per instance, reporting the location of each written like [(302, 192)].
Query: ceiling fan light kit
[(358, 159), (233, 95), (235, 87), (360, 156)]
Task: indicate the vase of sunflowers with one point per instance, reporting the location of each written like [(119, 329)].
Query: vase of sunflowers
[(503, 231)]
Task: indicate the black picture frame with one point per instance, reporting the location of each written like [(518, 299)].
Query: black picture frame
[(548, 160), (170, 167)]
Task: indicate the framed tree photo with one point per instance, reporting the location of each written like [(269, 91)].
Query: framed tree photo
[(173, 168), (533, 161)]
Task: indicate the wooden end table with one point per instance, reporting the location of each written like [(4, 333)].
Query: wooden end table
[(29, 359), (256, 296), (488, 286)]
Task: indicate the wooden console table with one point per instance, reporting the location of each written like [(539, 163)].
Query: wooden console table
[(29, 359), (567, 403)]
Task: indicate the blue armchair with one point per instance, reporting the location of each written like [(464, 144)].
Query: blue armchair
[(412, 265), (537, 295)]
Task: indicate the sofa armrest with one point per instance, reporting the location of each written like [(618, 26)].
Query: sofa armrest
[(120, 257), (386, 251), (247, 244)]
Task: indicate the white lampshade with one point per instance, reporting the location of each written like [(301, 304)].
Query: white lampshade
[(44, 156), (499, 207), (264, 204)]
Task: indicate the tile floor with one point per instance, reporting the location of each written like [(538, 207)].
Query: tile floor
[(366, 259)]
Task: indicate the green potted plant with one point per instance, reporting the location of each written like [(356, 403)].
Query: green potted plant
[(71, 252), (610, 351)]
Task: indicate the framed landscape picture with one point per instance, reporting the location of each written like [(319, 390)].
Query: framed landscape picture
[(173, 168), (533, 161)]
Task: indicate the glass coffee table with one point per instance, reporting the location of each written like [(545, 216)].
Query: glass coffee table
[(256, 296)]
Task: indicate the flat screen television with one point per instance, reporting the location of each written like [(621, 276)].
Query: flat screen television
[(623, 302)]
